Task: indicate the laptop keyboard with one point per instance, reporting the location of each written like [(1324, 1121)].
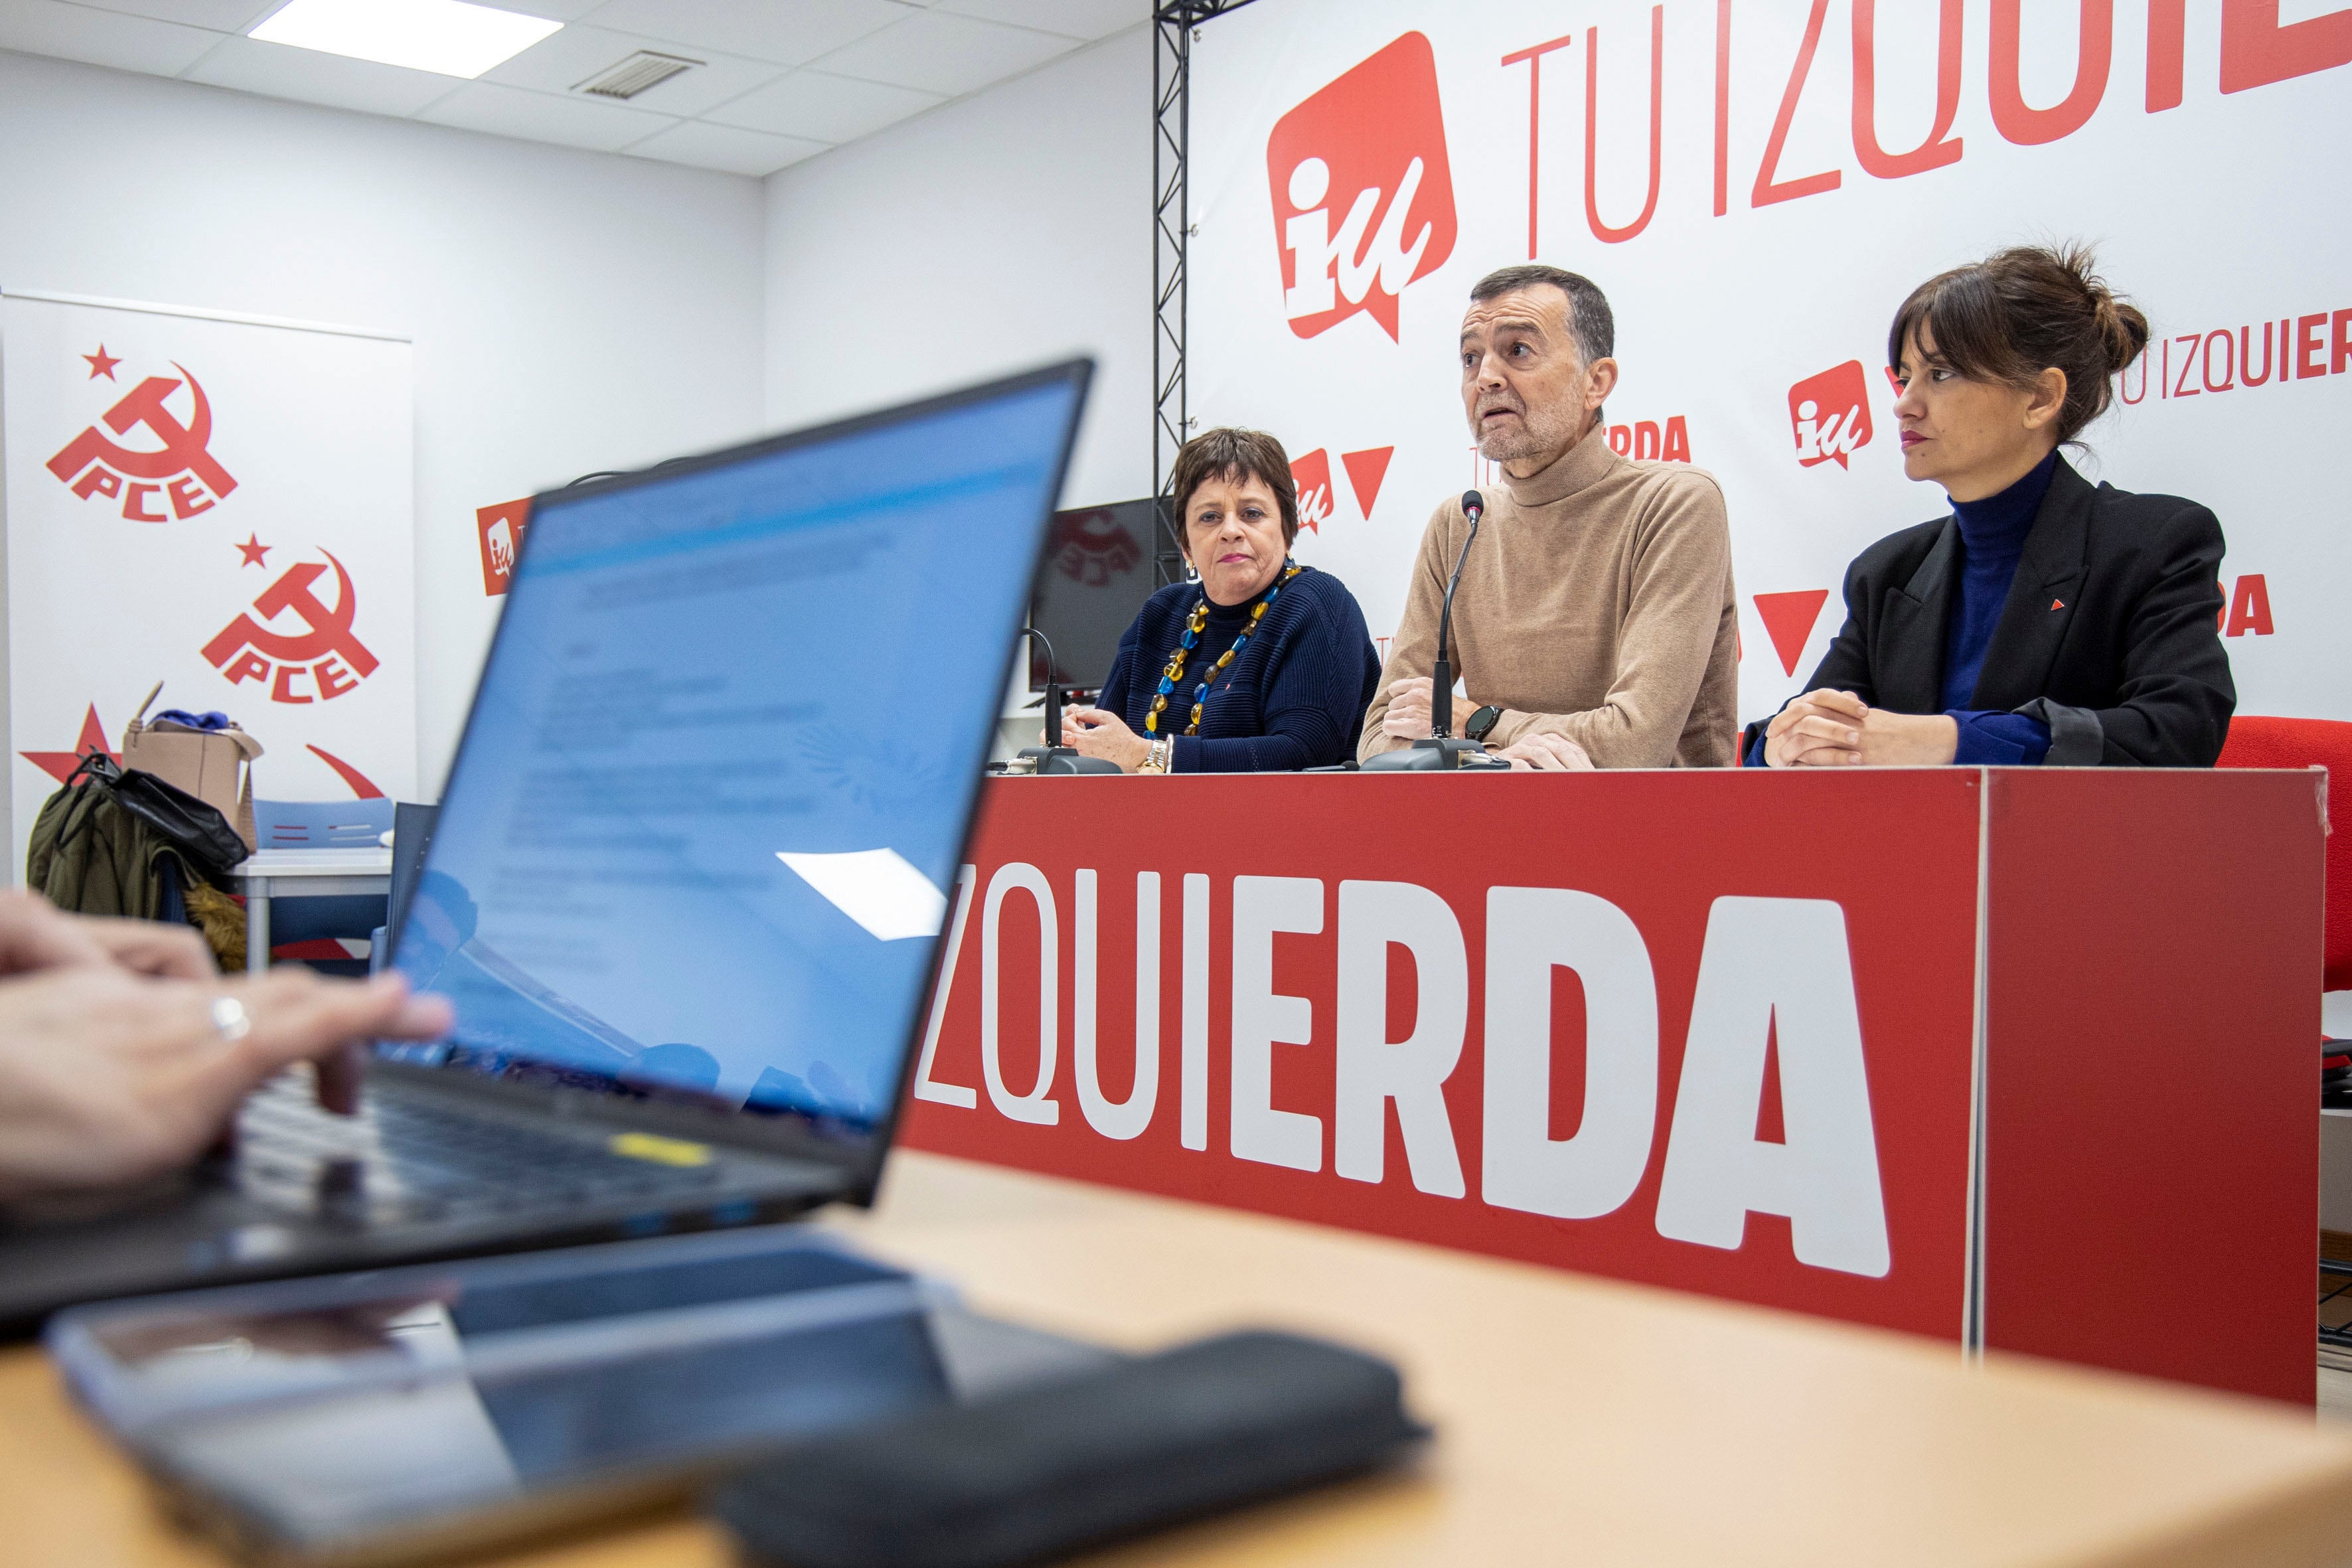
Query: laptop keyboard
[(402, 1160)]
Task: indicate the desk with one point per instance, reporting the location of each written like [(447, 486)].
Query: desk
[(1581, 1419), (268, 874)]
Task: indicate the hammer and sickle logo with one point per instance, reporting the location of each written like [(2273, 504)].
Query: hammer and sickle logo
[(94, 465), (1089, 546), (326, 648)]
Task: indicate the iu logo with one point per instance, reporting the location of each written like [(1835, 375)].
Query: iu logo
[(1092, 547), (325, 651), (1363, 196), (1312, 475), (181, 470), (501, 528), (1829, 413)]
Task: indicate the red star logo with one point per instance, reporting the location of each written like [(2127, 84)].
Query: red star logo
[(101, 363), (60, 765), (253, 550)]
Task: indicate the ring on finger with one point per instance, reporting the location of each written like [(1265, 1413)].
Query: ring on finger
[(230, 1020)]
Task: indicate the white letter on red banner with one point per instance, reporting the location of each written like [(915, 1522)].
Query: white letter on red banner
[(1262, 906), (1530, 931), (1126, 1119), (1035, 1106), (1776, 970), (1412, 1071)]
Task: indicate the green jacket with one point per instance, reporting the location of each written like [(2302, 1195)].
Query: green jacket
[(110, 864)]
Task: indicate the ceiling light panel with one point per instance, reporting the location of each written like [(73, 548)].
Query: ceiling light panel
[(447, 38)]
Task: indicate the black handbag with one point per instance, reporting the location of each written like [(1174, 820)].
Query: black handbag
[(197, 830)]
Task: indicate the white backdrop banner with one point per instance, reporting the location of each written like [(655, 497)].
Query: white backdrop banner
[(1756, 185), (220, 504)]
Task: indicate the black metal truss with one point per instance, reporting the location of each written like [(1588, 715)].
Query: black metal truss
[(1175, 25)]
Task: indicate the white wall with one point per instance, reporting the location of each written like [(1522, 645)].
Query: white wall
[(575, 310), (571, 310), (989, 235)]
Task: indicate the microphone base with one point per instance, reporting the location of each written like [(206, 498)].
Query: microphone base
[(1066, 760), (1434, 754)]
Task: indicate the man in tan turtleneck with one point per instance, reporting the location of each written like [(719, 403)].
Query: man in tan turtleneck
[(1595, 626)]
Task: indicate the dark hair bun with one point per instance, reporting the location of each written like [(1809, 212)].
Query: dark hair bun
[(2024, 310), (2123, 326)]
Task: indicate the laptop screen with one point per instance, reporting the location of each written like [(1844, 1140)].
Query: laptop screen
[(704, 823)]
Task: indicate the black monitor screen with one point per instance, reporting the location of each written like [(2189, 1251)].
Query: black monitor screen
[(1092, 584)]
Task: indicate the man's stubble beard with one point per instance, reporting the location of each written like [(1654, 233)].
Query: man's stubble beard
[(1540, 434)]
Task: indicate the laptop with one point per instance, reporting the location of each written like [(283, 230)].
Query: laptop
[(686, 879)]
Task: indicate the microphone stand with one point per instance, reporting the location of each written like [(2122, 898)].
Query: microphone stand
[(1054, 757), (1441, 750)]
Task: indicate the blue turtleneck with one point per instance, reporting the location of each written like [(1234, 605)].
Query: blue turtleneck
[(1992, 541)]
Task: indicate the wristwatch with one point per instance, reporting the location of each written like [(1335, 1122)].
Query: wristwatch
[(1482, 723), (1157, 762)]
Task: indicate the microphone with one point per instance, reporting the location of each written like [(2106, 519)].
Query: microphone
[(1053, 690), (1441, 691), (1439, 751), (1054, 757)]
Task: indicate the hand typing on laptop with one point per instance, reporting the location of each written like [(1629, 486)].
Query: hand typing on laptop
[(123, 1054)]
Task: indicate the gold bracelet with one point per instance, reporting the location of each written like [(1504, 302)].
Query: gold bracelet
[(1157, 760)]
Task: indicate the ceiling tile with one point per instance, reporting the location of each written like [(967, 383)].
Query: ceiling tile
[(791, 32), (543, 117), (100, 37), (723, 147), (562, 60), (220, 16), (825, 107), (1075, 18), (278, 70), (940, 53), (554, 10)]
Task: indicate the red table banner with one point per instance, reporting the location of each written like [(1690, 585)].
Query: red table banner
[(1711, 1031)]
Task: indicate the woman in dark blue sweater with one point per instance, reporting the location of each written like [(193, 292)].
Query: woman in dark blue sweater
[(1264, 665), (2048, 621)]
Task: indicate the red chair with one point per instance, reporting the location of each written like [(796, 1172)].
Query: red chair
[(2258, 741)]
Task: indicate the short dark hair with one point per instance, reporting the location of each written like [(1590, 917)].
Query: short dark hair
[(2023, 311), (1235, 455), (1589, 316)]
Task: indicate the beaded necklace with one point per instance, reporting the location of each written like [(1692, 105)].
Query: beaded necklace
[(1194, 625)]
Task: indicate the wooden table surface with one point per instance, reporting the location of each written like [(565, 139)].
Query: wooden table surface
[(1578, 1420)]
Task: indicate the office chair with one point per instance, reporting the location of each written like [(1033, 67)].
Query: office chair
[(2259, 741)]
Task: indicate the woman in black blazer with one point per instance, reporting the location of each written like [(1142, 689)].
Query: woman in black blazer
[(2048, 620)]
